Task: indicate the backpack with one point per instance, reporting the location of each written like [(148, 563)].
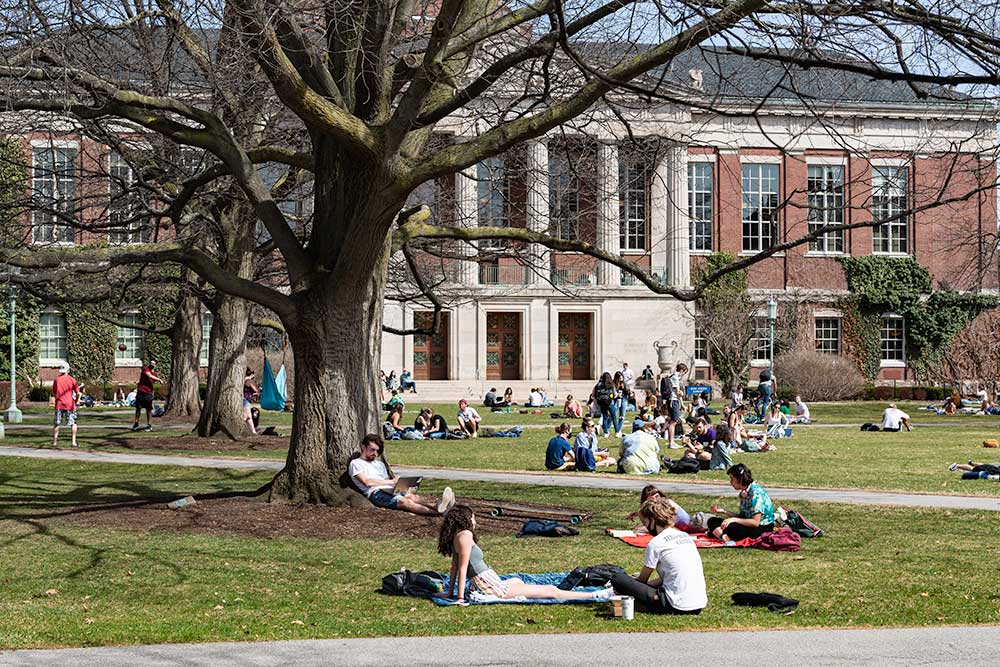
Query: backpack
[(666, 388), (783, 539), (545, 528), (585, 461), (868, 426), (682, 466), (772, 601), (765, 375), (417, 584), (801, 525), (595, 575), (602, 393)]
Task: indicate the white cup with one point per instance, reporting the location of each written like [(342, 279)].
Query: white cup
[(628, 607)]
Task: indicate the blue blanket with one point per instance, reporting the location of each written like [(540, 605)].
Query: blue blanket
[(547, 578)]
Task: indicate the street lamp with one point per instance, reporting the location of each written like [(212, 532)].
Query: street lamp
[(772, 315), (13, 415)]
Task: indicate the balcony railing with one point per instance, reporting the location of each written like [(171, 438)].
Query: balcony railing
[(657, 273), (573, 277), (500, 274)]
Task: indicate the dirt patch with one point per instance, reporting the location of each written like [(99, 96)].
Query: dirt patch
[(246, 443), (250, 517)]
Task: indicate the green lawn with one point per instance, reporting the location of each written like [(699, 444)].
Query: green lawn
[(69, 586)]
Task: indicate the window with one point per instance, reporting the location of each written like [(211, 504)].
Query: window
[(760, 206), (123, 210), (564, 198), (632, 203), (493, 192), (889, 204), (700, 342), (892, 339), (826, 206), (132, 338), (51, 337), (828, 335), (206, 334), (53, 183), (761, 342), (700, 191)]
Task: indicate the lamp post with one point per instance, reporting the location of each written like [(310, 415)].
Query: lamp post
[(13, 415), (772, 315)]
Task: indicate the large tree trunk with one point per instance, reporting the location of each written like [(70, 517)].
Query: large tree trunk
[(185, 339), (223, 409)]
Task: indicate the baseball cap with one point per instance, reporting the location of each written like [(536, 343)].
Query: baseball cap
[(63, 368)]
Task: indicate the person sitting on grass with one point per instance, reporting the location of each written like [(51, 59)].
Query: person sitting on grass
[(672, 554), (756, 514), (801, 411), (468, 419), (395, 399), (439, 428), (649, 492), (394, 421), (535, 398), (972, 470), (893, 419), (572, 407), (644, 417), (458, 540), (370, 476), (587, 455), (559, 453), (639, 453), (508, 397), (491, 399)]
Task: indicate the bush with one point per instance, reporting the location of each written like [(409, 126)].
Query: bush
[(818, 377), (40, 394)]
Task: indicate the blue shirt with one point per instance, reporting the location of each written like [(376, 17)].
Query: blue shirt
[(757, 502), (557, 449)]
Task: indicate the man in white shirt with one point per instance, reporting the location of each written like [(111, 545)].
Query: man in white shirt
[(893, 419), (628, 375), (535, 398), (801, 410), (673, 556), (468, 419), (370, 476)]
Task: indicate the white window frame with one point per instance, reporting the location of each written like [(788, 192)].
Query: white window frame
[(121, 337), (63, 181), (121, 177), (633, 209), (700, 341), (760, 352), (817, 329), (760, 232), (826, 206), (893, 236), (52, 362), (701, 215), (892, 363), (207, 322)]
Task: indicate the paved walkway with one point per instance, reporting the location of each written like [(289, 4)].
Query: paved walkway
[(854, 497), (928, 647)]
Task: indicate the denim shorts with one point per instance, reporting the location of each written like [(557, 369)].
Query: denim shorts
[(384, 499)]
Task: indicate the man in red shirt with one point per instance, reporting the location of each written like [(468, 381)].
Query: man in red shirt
[(144, 394), (66, 392)]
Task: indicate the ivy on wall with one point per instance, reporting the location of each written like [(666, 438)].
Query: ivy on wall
[(26, 336), (158, 314), (900, 285), (90, 342)]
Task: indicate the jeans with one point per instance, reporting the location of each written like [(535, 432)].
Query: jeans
[(765, 399), (607, 416), (648, 598), (619, 413)]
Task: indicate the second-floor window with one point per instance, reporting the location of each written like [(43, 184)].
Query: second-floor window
[(826, 206), (564, 197), (700, 204), (760, 206), (53, 184), (124, 209), (889, 205), (632, 203)]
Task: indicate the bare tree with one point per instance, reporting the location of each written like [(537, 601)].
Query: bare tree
[(360, 89)]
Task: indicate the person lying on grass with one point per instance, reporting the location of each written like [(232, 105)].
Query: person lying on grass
[(457, 539), (756, 515), (649, 492), (672, 554), (370, 476), (972, 470)]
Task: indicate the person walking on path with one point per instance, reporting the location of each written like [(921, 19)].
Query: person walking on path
[(66, 392), (144, 394)]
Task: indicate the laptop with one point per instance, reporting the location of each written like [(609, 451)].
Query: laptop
[(407, 485)]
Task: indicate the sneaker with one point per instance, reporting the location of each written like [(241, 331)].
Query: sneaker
[(621, 434), (148, 428), (135, 426), (604, 595), (606, 435), (953, 467), (674, 445), (75, 444), (447, 500)]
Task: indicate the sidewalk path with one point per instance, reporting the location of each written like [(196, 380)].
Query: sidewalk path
[(854, 497), (928, 647)]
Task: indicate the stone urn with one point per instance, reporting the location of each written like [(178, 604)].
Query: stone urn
[(665, 355)]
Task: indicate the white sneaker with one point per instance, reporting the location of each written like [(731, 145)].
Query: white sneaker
[(621, 434), (604, 595), (606, 435), (447, 500)]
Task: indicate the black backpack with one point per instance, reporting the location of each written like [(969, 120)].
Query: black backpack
[(602, 393), (765, 375), (773, 601), (595, 575), (682, 466), (417, 584)]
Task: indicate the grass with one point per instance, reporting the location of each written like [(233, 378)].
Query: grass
[(63, 585)]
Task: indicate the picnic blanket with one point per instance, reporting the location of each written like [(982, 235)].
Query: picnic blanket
[(701, 540), (545, 578)]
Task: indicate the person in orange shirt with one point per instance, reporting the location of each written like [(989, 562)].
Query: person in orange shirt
[(66, 392)]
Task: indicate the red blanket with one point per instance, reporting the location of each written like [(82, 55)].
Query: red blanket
[(701, 540)]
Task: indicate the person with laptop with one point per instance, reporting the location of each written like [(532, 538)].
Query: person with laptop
[(370, 476)]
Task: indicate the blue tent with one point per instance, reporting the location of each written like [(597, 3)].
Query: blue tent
[(272, 394)]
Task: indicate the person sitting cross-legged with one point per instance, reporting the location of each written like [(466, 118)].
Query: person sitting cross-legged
[(559, 453), (370, 476), (468, 419)]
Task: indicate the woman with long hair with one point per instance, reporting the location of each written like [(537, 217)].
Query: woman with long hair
[(620, 403), (604, 396), (457, 539), (756, 514)]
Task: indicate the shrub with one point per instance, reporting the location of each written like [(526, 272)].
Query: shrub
[(818, 377), (40, 394)]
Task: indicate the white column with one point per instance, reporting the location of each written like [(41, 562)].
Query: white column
[(659, 199), (467, 214), (608, 220), (537, 205), (678, 225)]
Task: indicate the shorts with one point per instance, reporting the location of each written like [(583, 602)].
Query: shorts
[(675, 411), (68, 415), (144, 400), (488, 583), (384, 499)]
